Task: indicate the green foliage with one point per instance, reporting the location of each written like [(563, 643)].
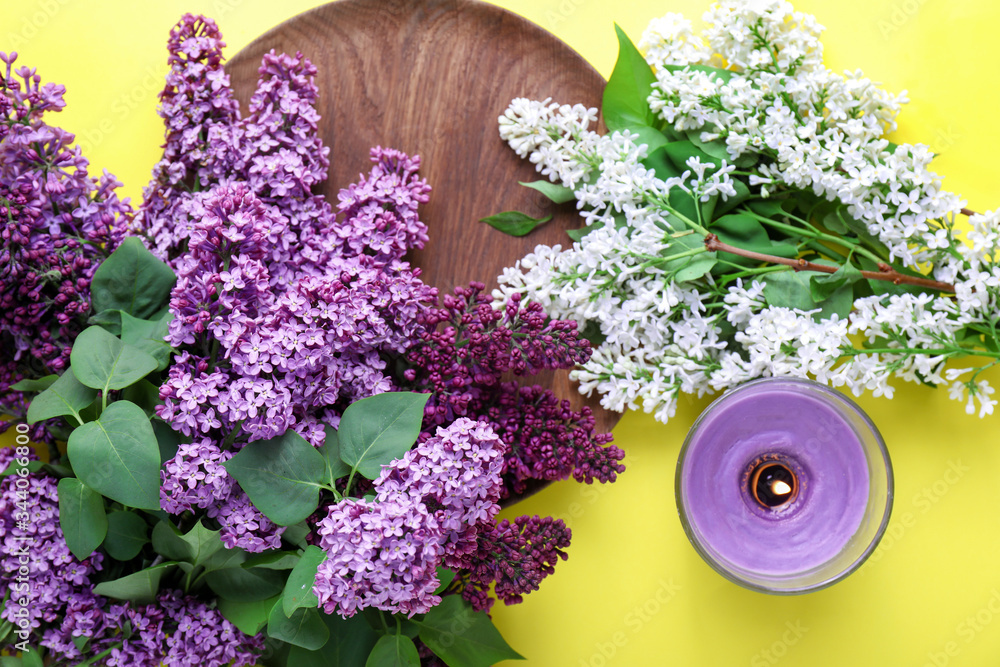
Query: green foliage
[(557, 193), (127, 534), (131, 280), (117, 455), (380, 428), (248, 617), (104, 362), (330, 451), (514, 223), (64, 396), (351, 641), (394, 650), (624, 105), (304, 628), (140, 587), (148, 336), (463, 637), (282, 476), (298, 590), (81, 517)]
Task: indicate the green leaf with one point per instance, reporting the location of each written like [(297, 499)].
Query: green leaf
[(351, 641), (299, 587), (304, 628), (679, 152), (65, 396), (330, 451), (824, 284), (788, 289), (723, 74), (746, 233), (394, 651), (514, 223), (81, 517), (742, 194), (140, 587), (240, 584), (103, 362), (148, 336), (578, 234), (463, 637), (31, 658), (624, 104), (13, 467), (661, 164), (132, 280), (109, 320), (273, 560), (376, 430), (167, 439), (195, 547), (281, 476), (127, 534), (145, 394), (557, 193), (117, 455), (41, 384), (445, 577), (248, 617), (689, 268)]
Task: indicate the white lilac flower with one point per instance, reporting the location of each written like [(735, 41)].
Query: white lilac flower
[(669, 327)]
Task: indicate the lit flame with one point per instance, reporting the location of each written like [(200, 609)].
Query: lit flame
[(780, 488)]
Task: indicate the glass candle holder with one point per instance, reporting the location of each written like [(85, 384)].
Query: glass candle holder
[(784, 486)]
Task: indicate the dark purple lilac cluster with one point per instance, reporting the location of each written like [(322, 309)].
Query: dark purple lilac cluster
[(462, 359), (50, 594), (55, 228), (429, 509), (514, 558)]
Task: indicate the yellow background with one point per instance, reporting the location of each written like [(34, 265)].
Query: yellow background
[(633, 591)]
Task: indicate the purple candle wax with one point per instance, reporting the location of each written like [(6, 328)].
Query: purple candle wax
[(784, 485)]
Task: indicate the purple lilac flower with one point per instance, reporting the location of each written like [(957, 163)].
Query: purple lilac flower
[(429, 509), (514, 558), (195, 477), (243, 526), (456, 475), (54, 220), (381, 555), (32, 538), (462, 359)]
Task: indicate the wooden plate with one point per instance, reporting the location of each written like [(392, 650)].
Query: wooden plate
[(430, 77)]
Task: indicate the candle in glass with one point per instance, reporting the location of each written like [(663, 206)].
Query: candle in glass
[(784, 485)]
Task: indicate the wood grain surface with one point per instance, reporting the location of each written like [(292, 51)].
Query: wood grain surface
[(430, 78)]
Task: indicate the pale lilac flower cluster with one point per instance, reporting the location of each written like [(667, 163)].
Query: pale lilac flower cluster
[(66, 618), (283, 313), (429, 508), (38, 567)]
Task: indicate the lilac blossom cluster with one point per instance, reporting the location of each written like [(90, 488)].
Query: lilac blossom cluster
[(469, 346), (284, 310), (428, 510), (514, 558), (67, 618), (55, 229)]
